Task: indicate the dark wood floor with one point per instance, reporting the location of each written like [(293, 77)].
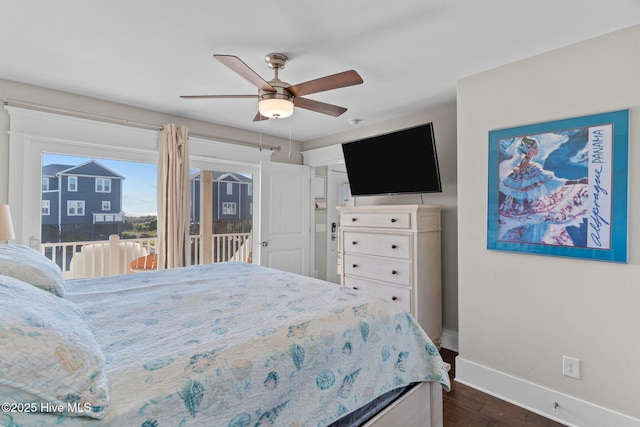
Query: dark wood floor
[(465, 406)]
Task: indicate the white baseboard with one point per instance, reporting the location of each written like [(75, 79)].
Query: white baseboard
[(449, 340), (541, 400)]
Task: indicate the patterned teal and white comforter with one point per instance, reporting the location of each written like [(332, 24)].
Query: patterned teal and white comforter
[(242, 345)]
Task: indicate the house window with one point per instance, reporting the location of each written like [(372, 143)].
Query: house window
[(75, 207), (72, 184), (250, 190), (45, 184), (46, 207), (229, 188), (106, 205), (103, 185), (228, 208)]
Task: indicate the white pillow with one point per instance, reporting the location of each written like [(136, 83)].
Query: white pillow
[(30, 266), (48, 354)]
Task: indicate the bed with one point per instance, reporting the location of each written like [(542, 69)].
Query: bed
[(229, 344)]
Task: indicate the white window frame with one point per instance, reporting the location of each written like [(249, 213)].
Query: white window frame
[(74, 180), (229, 188), (46, 207), (33, 132), (249, 189), (45, 183), (229, 208), (102, 184), (75, 205), (106, 205)]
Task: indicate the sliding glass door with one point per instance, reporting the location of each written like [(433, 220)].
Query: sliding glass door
[(222, 215)]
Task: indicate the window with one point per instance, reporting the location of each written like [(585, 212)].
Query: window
[(46, 207), (229, 188), (97, 210), (72, 184), (250, 190), (45, 184), (228, 208), (103, 185), (73, 141), (75, 207)]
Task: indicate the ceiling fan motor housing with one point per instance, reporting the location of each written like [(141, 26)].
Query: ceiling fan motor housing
[(280, 92)]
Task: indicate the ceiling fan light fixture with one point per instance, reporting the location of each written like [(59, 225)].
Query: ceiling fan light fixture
[(275, 108)]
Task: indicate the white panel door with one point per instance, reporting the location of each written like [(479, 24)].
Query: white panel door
[(285, 202)]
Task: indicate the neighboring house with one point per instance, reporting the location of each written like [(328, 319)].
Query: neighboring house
[(82, 202), (232, 201)]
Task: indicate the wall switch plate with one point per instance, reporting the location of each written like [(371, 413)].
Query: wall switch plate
[(571, 367)]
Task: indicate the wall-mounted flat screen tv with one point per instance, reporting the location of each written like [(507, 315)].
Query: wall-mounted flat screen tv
[(399, 162)]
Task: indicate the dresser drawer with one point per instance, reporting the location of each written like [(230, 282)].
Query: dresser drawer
[(398, 294), (400, 220), (383, 269), (388, 245)]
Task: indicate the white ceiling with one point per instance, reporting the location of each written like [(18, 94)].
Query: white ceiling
[(410, 53)]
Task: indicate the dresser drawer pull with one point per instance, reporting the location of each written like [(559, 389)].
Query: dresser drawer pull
[(394, 246), (393, 220), (394, 272), (354, 243), (356, 288), (354, 219), (394, 298), (354, 265)]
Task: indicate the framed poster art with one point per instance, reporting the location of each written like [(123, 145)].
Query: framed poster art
[(560, 188)]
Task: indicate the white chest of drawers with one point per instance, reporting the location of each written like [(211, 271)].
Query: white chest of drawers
[(394, 252)]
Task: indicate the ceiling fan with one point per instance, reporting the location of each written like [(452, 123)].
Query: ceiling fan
[(276, 98)]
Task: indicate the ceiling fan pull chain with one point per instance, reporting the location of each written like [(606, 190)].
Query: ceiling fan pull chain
[(289, 139), (260, 134)]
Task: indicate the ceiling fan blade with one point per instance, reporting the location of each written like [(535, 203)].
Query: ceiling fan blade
[(259, 117), (318, 107), (245, 71), (334, 81), (217, 96)]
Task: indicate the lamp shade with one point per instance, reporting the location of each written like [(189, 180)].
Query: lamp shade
[(275, 108), (6, 226)]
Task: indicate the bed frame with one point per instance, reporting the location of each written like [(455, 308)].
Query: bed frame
[(420, 406)]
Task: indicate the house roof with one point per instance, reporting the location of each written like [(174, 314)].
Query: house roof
[(90, 168), (225, 177), (53, 169)]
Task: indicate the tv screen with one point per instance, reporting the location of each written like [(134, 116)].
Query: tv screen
[(399, 162)]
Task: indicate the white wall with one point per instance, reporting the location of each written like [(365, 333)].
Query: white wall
[(519, 313), (444, 123)]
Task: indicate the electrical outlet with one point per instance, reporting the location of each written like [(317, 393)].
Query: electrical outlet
[(571, 367)]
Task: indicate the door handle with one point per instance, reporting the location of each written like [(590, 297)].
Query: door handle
[(264, 244)]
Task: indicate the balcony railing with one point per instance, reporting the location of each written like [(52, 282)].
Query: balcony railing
[(114, 256)]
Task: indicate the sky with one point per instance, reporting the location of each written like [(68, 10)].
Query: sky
[(139, 187)]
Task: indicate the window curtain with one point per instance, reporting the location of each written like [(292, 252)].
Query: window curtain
[(173, 198)]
